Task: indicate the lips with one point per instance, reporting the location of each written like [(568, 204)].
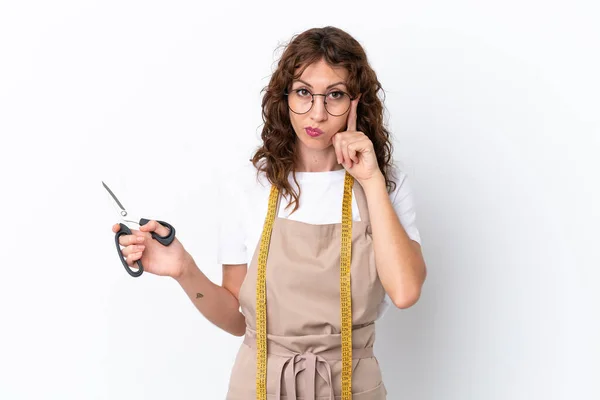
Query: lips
[(313, 132)]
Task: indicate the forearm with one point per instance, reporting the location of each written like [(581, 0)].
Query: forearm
[(399, 261), (216, 303)]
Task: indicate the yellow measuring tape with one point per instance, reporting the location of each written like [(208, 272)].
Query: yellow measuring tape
[(345, 293)]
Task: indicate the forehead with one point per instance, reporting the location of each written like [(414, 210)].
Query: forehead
[(321, 74)]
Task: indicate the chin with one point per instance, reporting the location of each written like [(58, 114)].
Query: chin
[(314, 143)]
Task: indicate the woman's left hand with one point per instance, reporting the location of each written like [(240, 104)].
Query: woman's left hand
[(354, 150)]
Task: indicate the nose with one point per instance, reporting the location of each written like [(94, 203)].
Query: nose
[(318, 111)]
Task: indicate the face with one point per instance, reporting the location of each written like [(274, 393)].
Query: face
[(318, 78)]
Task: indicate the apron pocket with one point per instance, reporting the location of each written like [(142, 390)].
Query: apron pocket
[(366, 375), (379, 392)]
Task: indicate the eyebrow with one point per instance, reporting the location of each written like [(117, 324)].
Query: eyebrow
[(310, 86)]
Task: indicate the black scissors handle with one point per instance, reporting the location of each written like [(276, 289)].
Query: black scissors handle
[(164, 240)]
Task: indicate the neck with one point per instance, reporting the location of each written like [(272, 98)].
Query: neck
[(311, 160)]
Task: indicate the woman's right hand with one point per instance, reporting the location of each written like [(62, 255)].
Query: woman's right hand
[(157, 259)]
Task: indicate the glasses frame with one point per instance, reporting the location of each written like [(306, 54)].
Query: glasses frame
[(312, 101)]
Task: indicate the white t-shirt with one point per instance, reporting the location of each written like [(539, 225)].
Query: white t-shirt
[(243, 203)]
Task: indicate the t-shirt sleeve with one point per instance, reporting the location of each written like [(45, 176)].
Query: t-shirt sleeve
[(403, 202), (231, 248)]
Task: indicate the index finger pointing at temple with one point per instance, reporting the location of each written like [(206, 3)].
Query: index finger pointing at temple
[(353, 115)]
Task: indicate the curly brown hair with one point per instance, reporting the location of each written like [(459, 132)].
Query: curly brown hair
[(276, 156)]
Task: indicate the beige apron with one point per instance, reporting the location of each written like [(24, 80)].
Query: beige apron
[(303, 313)]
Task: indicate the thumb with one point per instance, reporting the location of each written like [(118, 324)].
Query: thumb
[(154, 226)]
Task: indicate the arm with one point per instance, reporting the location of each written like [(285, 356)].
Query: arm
[(399, 260), (215, 302)]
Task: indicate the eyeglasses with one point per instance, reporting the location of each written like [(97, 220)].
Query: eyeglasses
[(300, 101)]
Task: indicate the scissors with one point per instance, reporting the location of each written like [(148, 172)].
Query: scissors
[(124, 230)]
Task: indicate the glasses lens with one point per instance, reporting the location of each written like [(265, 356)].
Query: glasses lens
[(336, 103), (300, 101)]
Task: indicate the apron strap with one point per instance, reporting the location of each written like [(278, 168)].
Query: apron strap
[(361, 201)]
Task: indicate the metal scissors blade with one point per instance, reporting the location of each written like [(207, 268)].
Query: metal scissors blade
[(119, 208)]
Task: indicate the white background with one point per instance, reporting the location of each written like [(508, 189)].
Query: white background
[(494, 111)]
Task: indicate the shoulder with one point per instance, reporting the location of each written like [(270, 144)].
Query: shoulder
[(403, 201), (399, 176)]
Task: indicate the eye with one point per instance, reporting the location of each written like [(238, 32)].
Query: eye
[(336, 95), (301, 93)]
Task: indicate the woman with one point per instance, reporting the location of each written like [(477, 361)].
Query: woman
[(298, 244)]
